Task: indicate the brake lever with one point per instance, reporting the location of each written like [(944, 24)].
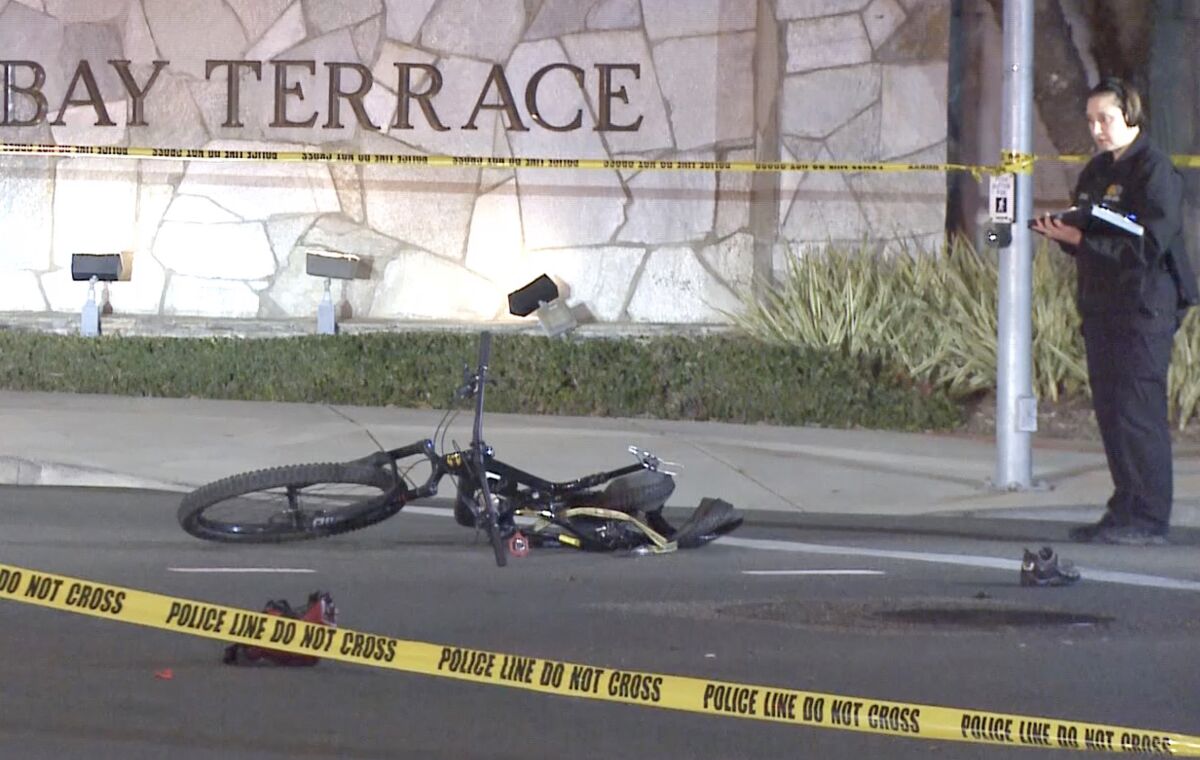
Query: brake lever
[(653, 463), (470, 383)]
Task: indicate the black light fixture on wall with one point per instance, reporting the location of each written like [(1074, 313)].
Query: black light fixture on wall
[(542, 299), (93, 268), (332, 266)]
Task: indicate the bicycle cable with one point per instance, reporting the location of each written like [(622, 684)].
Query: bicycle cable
[(443, 428), (400, 474), (357, 424)]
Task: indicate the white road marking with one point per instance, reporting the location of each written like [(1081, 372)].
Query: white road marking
[(432, 511), (240, 570), (447, 512), (1137, 579), (964, 560), (813, 572)]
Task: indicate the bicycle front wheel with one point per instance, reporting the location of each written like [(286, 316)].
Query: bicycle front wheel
[(290, 503), (490, 515)]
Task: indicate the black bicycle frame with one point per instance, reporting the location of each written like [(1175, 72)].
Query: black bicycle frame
[(510, 476), (478, 461)]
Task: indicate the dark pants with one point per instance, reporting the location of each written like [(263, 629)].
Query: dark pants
[(1128, 374)]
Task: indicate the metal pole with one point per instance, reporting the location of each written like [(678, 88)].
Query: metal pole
[(6, 111), (1016, 407)]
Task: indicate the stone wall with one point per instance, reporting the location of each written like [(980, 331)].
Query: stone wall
[(719, 79), (867, 84)]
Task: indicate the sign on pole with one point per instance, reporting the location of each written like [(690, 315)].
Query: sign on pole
[(1001, 198)]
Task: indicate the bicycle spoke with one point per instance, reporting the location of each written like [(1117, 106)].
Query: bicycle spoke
[(291, 506)]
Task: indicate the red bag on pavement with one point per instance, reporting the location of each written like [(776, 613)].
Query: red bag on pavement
[(320, 610)]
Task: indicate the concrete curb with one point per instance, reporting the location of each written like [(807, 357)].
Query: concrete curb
[(15, 471)]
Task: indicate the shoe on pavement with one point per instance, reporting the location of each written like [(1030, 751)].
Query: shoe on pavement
[(1044, 569), (1132, 535)]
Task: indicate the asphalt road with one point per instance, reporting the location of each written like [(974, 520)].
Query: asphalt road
[(920, 610)]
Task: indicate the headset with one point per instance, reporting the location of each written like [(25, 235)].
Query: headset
[(1128, 98)]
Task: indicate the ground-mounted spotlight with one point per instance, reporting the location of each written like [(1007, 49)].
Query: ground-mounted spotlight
[(332, 266), (93, 268), (541, 298)]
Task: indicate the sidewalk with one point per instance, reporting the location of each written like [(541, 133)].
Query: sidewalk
[(177, 444)]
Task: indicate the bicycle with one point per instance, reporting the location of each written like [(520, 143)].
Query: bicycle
[(306, 501)]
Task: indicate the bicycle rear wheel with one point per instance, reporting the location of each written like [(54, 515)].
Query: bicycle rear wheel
[(643, 491), (290, 503)]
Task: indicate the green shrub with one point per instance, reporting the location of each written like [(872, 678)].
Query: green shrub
[(934, 314), (952, 324), (1183, 382), (717, 377)]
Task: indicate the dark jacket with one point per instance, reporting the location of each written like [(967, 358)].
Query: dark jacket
[(1143, 283)]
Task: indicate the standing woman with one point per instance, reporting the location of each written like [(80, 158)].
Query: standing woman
[(1131, 295)]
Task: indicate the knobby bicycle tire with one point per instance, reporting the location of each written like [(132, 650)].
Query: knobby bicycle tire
[(491, 525), (275, 491), (712, 519), (643, 491), (499, 549)]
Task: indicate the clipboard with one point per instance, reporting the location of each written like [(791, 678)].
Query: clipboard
[(1084, 217)]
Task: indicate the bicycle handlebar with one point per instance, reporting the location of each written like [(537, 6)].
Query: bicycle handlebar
[(474, 455), (485, 352), (427, 448)]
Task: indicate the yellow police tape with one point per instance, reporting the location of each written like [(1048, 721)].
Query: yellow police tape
[(488, 162), (1011, 162), (688, 694)]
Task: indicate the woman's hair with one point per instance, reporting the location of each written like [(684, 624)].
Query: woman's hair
[(1128, 99)]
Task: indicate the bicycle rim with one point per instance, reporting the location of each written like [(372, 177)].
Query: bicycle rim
[(290, 503)]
